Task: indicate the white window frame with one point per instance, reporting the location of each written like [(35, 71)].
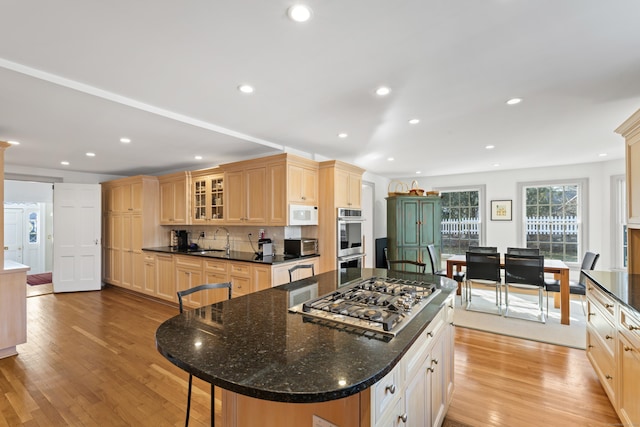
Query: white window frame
[(618, 221), (583, 205), (481, 189)]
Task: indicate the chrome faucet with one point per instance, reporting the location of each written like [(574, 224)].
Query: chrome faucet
[(227, 247)]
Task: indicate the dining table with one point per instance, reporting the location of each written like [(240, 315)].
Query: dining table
[(557, 267)]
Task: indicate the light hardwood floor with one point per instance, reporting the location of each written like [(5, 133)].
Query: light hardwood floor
[(91, 360)]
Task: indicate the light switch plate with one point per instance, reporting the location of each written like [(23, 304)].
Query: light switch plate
[(319, 422)]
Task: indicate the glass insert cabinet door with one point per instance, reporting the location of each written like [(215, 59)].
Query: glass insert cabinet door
[(208, 198)]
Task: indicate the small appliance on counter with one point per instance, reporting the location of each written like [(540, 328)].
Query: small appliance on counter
[(300, 247), (265, 247), (181, 239)]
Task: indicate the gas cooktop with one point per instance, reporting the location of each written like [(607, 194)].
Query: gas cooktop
[(379, 304)]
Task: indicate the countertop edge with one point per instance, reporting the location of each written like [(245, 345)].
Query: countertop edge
[(234, 256)]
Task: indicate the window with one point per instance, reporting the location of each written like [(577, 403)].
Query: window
[(553, 220), (33, 227), (619, 221), (461, 224)]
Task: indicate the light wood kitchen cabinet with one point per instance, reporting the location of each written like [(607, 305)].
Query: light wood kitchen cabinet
[(630, 130), (240, 278), (246, 195), (165, 277), (348, 188), (216, 271), (334, 179), (207, 196), (13, 306), (629, 372), (303, 183), (149, 270), (613, 348), (189, 274), (129, 227), (174, 199), (260, 277)]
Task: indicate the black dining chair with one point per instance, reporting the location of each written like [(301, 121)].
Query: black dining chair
[(483, 269), (523, 251), (300, 267), (589, 261), (483, 249), (182, 294), (525, 272)]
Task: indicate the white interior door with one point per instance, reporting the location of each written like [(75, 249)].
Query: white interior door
[(76, 238), (13, 235)]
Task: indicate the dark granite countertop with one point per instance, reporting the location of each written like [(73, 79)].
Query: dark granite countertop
[(233, 256), (622, 286), (254, 346)]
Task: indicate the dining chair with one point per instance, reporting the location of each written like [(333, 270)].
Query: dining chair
[(483, 249), (483, 269), (299, 267), (458, 276), (403, 264), (525, 272), (589, 261), (523, 251), (182, 294)]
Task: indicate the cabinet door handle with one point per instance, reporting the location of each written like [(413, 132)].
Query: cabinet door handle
[(430, 334), (609, 337), (627, 348), (390, 388), (403, 418), (609, 377), (608, 305), (633, 328)]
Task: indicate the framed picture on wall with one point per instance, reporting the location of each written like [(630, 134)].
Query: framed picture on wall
[(501, 210)]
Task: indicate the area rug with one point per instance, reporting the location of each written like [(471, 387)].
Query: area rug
[(551, 332), (39, 279)]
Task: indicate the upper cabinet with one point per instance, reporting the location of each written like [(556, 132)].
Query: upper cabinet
[(207, 196), (123, 197), (259, 191), (348, 188), (174, 200), (303, 183), (630, 130), (246, 194)]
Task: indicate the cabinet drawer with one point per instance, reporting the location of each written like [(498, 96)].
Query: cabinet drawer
[(603, 363), (240, 269), (630, 322), (600, 326), (385, 393), (600, 298), (216, 266), (420, 350), (188, 261), (149, 258)]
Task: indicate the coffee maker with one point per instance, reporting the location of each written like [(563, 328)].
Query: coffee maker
[(180, 239)]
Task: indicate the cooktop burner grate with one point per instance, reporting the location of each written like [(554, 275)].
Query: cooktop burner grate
[(379, 304)]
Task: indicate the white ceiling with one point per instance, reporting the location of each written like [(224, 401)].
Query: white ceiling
[(75, 76)]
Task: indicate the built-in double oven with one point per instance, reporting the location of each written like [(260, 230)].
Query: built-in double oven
[(350, 239)]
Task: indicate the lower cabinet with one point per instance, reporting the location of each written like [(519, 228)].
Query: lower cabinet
[(418, 391), (280, 272), (613, 348), (165, 278)]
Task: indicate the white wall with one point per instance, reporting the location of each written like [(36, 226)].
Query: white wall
[(53, 175), (503, 185)]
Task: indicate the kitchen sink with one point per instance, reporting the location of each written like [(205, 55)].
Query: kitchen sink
[(204, 251)]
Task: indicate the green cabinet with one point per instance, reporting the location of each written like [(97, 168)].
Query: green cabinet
[(413, 222)]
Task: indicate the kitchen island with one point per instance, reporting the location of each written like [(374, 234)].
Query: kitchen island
[(13, 307), (278, 367), (613, 338)]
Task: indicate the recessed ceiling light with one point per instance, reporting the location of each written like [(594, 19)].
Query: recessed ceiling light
[(125, 140), (490, 147), (343, 135), (245, 88), (495, 165), (91, 154), (390, 159), (383, 91), (299, 13), (418, 172), (514, 101), (64, 163), (198, 157), (13, 142), (414, 121), (602, 154)]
